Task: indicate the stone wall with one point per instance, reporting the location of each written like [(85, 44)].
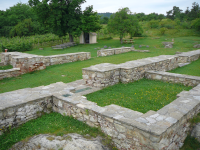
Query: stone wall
[(163, 129), (66, 58), (29, 62), (114, 51), (9, 73), (105, 74), (189, 56), (187, 80)]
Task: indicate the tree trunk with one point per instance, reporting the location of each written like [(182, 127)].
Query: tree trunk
[(121, 40), (71, 39), (83, 37)]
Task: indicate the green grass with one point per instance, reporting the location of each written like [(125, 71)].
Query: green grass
[(73, 71), (155, 46), (191, 69), (191, 143), (142, 95), (52, 123), (6, 67)]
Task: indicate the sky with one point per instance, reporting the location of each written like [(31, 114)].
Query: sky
[(136, 6)]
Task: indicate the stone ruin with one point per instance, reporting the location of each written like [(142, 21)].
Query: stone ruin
[(197, 46), (64, 45), (168, 44), (163, 129), (23, 62)]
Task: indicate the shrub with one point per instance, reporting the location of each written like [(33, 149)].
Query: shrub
[(163, 30), (153, 24), (167, 23), (196, 24), (186, 25)]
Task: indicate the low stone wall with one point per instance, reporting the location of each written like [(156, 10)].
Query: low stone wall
[(29, 62), (165, 129), (105, 74), (187, 80), (114, 51), (189, 56), (9, 73), (66, 58)]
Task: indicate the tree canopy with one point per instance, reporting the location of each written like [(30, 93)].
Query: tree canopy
[(64, 16), (123, 22)]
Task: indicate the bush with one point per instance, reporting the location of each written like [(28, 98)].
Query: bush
[(153, 24), (167, 23), (163, 30), (20, 47), (196, 24), (186, 25)]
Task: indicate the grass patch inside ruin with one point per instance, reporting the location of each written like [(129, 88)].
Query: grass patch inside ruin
[(191, 143), (142, 95), (191, 69), (53, 123), (6, 67)]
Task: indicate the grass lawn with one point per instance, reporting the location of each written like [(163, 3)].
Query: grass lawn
[(191, 69), (53, 123), (6, 67), (155, 46), (142, 95), (56, 124), (73, 71), (191, 143)]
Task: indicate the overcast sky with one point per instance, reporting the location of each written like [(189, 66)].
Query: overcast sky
[(138, 6)]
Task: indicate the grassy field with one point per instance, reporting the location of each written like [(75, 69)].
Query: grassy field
[(191, 69), (54, 124), (142, 95), (182, 44), (73, 71)]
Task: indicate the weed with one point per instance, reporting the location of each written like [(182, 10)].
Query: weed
[(50, 138), (69, 138), (87, 112)]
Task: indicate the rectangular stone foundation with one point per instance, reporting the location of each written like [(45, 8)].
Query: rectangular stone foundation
[(163, 129), (102, 75), (28, 62)]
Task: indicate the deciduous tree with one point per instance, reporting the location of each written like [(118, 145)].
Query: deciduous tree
[(123, 22), (64, 16), (90, 20)]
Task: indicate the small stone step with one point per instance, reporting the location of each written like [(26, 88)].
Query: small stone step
[(183, 64)]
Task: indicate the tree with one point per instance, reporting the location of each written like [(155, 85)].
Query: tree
[(90, 20), (104, 20), (196, 24), (64, 16), (123, 22), (195, 11), (12, 16), (175, 13)]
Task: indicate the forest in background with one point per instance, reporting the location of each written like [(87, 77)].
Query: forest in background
[(21, 30)]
